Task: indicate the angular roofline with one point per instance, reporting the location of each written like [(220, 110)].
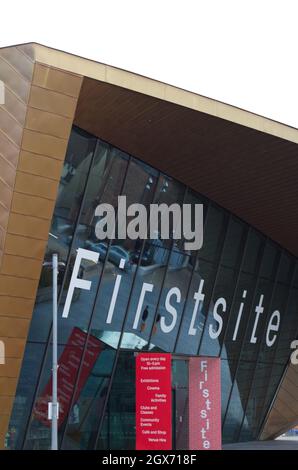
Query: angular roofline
[(157, 89)]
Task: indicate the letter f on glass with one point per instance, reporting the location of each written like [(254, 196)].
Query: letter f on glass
[(75, 281)]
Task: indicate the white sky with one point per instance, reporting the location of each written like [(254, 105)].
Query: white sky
[(242, 52)]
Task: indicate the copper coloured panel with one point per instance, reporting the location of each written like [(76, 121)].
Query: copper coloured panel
[(35, 123), (284, 413)]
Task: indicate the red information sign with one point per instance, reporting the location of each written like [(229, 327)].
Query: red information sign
[(153, 402), (69, 363), (204, 403)]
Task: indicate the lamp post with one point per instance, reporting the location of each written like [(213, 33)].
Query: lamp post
[(55, 405), (53, 410)]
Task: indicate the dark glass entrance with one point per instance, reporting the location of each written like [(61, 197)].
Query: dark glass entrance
[(180, 402), (237, 264)]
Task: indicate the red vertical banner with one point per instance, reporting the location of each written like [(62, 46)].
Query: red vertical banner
[(69, 363), (204, 403), (153, 402)]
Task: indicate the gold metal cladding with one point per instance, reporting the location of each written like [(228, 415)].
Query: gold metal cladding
[(35, 123)]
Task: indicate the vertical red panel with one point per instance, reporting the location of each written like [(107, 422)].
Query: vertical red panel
[(204, 403), (153, 402)]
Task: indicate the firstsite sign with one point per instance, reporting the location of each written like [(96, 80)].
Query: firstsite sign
[(174, 296), (136, 221)]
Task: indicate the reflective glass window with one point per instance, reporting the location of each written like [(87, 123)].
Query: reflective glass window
[(118, 431), (152, 294), (234, 244), (24, 395), (235, 417), (196, 310), (219, 312), (214, 233)]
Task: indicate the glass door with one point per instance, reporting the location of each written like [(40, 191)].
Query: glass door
[(180, 403)]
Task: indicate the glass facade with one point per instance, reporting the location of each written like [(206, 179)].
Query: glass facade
[(244, 277)]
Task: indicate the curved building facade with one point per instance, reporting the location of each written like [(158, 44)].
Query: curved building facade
[(76, 134)]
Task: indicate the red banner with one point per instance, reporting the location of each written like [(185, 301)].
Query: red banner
[(69, 363), (204, 403), (153, 402)]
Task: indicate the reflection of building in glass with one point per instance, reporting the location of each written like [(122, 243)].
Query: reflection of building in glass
[(224, 296), (240, 260)]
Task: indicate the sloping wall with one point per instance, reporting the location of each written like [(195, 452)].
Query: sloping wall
[(35, 124), (284, 412)]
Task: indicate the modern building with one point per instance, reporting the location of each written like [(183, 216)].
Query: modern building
[(75, 133)]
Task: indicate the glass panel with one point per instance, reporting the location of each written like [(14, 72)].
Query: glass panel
[(173, 296), (268, 395), (237, 403), (218, 312), (115, 290), (257, 320), (24, 395), (110, 181), (234, 244), (150, 279), (180, 404), (286, 269), (192, 199), (89, 398), (169, 192), (226, 384), (72, 184), (38, 436), (270, 260), (239, 314), (143, 304), (214, 233), (253, 252), (289, 328), (275, 318), (118, 431), (255, 402), (195, 312)]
